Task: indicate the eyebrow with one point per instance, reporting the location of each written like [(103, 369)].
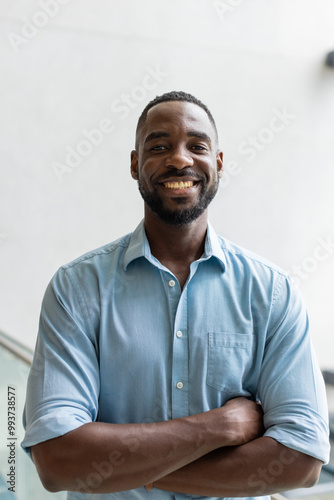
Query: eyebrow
[(190, 133), (199, 135), (155, 135)]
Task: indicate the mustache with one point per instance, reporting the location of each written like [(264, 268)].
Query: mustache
[(179, 173)]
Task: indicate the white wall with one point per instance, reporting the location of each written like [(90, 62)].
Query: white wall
[(248, 60)]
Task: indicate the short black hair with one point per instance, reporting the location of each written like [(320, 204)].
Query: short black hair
[(175, 95)]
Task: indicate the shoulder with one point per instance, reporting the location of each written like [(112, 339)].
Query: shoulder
[(100, 256), (264, 282), (249, 260), (248, 270), (92, 269)]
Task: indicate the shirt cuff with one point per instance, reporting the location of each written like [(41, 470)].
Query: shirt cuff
[(307, 436), (54, 424)]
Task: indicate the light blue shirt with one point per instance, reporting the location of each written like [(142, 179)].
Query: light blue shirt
[(120, 342)]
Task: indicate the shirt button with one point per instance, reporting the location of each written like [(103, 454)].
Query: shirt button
[(179, 334), (171, 283), (179, 385)]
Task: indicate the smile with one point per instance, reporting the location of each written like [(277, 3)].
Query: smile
[(179, 185)]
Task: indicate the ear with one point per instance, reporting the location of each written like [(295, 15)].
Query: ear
[(219, 159), (134, 165)]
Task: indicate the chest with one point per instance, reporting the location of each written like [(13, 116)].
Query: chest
[(180, 271), (154, 335)]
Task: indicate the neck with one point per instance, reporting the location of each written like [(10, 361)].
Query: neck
[(176, 244)]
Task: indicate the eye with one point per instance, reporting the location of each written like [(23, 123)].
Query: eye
[(159, 147), (198, 147)]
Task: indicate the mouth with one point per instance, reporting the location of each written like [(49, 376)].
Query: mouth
[(179, 184)]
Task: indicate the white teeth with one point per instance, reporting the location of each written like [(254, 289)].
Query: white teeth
[(178, 185)]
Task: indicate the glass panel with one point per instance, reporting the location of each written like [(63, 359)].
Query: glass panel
[(16, 469)]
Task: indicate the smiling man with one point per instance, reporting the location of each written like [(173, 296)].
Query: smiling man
[(179, 194), (171, 363)]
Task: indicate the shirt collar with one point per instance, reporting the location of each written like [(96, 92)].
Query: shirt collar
[(139, 247), (212, 247)]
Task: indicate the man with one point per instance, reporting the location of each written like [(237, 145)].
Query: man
[(155, 352)]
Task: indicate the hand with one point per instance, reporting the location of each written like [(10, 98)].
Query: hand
[(244, 419)]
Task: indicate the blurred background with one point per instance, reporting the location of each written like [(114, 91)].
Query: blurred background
[(75, 76)]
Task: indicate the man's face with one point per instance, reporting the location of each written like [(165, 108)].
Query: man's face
[(177, 162)]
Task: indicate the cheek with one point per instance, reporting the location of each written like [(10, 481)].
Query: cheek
[(144, 176), (210, 172), (147, 171)]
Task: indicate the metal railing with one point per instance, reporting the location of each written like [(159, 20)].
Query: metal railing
[(18, 349)]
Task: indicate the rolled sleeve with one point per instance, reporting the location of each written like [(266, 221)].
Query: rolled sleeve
[(291, 388), (63, 384)]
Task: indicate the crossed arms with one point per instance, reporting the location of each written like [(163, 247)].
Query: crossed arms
[(221, 452)]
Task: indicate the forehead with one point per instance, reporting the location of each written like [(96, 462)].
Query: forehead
[(177, 115)]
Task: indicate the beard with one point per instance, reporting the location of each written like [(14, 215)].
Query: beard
[(180, 216)]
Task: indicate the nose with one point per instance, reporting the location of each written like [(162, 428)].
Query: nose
[(179, 158)]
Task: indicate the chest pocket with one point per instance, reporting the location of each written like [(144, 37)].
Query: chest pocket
[(230, 358)]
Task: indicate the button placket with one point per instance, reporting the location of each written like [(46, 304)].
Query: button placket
[(180, 375)]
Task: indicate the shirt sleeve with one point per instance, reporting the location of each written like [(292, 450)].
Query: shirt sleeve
[(63, 384), (291, 388)]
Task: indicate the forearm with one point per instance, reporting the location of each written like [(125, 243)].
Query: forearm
[(130, 455), (260, 467), (125, 456)]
